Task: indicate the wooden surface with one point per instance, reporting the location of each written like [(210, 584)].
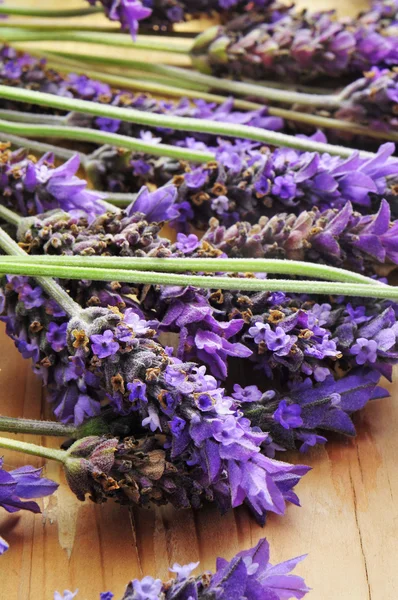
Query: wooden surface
[(348, 523)]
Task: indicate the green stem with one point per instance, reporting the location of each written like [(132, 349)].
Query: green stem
[(215, 83), (64, 63), (28, 117), (28, 11), (214, 282), (53, 289), (44, 25), (102, 137), (33, 449), (155, 120), (51, 428), (92, 37), (176, 87), (41, 147), (212, 265), (10, 216), (243, 88)]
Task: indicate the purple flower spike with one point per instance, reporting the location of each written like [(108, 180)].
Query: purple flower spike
[(248, 575), (40, 186)]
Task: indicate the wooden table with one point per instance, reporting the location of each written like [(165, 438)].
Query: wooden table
[(348, 523)]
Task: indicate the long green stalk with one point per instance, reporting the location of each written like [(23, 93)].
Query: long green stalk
[(33, 449), (155, 120), (103, 137), (64, 62), (123, 40), (28, 117), (240, 88), (29, 11), (177, 87), (206, 265), (34, 427), (214, 282)]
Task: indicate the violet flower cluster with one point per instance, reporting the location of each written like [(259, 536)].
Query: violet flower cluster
[(303, 417), (293, 339), (30, 186), (372, 100), (18, 488), (248, 182), (299, 45), (249, 574), (340, 237), (105, 353), (162, 14)]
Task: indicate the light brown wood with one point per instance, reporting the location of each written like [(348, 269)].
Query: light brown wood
[(348, 523)]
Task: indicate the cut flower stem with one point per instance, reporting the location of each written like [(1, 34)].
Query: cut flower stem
[(28, 11), (102, 137), (254, 284), (36, 427), (153, 120), (175, 87), (213, 265), (33, 449)]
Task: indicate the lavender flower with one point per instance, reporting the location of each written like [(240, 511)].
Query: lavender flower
[(268, 182), (31, 186), (372, 100), (290, 44), (249, 572), (162, 14), (340, 237), (302, 417), (114, 355), (19, 485), (189, 408), (277, 333)]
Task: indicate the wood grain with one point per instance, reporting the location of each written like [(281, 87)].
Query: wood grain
[(348, 522)]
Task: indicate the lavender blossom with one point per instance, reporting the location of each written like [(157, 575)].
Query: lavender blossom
[(162, 14), (302, 417), (372, 100), (188, 408), (297, 45), (19, 485), (266, 182), (340, 237), (249, 572), (112, 354), (31, 186), (277, 332)]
